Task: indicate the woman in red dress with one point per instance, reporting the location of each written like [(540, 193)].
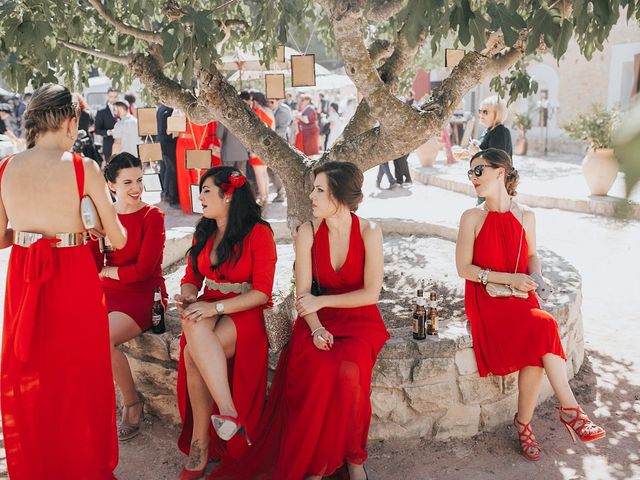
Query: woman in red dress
[(318, 414), (195, 137), (265, 114), (223, 355), (307, 120), (497, 243), (130, 276), (58, 403)]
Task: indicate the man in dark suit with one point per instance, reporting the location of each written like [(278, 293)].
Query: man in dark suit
[(168, 165), (105, 121)]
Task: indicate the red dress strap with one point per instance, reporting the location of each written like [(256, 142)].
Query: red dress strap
[(79, 168), (3, 165)]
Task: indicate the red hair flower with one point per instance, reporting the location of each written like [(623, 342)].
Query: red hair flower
[(235, 180)]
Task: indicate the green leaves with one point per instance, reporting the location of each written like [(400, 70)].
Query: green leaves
[(507, 20), (517, 82)]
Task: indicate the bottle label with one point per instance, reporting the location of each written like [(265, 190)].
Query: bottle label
[(415, 325), (420, 301), (155, 319), (157, 297), (433, 303)]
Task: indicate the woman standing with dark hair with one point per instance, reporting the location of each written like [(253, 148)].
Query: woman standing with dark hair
[(264, 113), (58, 403), (130, 276), (318, 413), (223, 356), (497, 243)]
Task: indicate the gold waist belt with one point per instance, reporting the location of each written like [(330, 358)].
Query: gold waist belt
[(243, 287), (26, 239)]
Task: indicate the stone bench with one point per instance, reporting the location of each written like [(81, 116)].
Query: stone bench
[(429, 388)]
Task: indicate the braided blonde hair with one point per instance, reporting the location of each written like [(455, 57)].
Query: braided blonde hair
[(50, 105)]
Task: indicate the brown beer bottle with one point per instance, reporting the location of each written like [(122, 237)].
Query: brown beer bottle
[(432, 321), (105, 245), (420, 316), (157, 313)]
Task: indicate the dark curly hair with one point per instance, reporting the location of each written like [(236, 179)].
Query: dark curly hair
[(118, 162), (244, 213)]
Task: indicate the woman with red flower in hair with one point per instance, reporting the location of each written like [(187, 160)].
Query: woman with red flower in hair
[(223, 356)]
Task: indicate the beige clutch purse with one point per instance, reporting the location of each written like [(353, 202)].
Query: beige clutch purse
[(498, 290), (89, 214)]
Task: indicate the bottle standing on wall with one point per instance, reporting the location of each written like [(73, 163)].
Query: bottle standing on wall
[(432, 317), (157, 313), (420, 316)]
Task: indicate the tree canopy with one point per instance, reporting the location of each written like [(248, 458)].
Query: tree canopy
[(174, 47)]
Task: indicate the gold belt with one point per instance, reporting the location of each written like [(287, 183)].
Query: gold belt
[(185, 135), (26, 239), (243, 287)]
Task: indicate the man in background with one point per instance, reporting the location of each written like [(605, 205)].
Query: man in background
[(168, 165), (125, 131), (105, 121)]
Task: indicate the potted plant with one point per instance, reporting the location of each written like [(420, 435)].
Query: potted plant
[(521, 122), (600, 167)]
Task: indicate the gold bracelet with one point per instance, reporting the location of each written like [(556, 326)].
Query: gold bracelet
[(316, 329)]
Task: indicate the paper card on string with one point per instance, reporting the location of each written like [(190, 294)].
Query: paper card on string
[(196, 206), (452, 57), (149, 152), (274, 86), (197, 159), (147, 122), (303, 70), (151, 182), (280, 54), (176, 124)]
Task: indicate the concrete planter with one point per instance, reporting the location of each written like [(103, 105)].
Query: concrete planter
[(428, 152), (600, 169)]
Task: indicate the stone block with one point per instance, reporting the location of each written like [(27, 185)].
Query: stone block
[(460, 421), (433, 370), (163, 406), (429, 398), (178, 241), (150, 345), (154, 376), (397, 347), (466, 362), (498, 413), (384, 401), (435, 347), (174, 349), (418, 427), (392, 372), (510, 383), (476, 390)]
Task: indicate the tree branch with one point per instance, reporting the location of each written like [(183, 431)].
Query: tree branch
[(122, 60), (402, 58), (383, 10), (380, 50), (149, 37)]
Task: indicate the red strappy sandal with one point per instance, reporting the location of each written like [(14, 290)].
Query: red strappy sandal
[(581, 426), (528, 445)]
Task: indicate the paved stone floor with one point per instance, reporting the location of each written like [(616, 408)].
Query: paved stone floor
[(605, 251)]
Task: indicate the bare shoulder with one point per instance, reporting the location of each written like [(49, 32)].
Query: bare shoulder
[(473, 216), (304, 234), (369, 229), (524, 211)]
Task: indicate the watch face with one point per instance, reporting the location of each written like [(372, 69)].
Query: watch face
[(219, 307)]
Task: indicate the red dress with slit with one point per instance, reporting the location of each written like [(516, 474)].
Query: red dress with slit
[(58, 400), (139, 265), (318, 413), (195, 137), (247, 370), (508, 333)]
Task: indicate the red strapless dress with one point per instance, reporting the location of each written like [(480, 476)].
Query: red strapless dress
[(508, 333)]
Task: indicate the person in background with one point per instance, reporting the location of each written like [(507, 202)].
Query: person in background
[(308, 130), (493, 113), (384, 170), (129, 277), (168, 165), (283, 120), (130, 97), (336, 126), (105, 121), (5, 118), (497, 243), (125, 131), (85, 124), (264, 113)]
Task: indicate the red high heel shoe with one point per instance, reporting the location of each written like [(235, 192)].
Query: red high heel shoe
[(528, 445), (581, 426), (226, 427), (191, 474)]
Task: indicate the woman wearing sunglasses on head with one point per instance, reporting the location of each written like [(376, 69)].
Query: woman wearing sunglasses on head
[(496, 252), (223, 351), (493, 113)]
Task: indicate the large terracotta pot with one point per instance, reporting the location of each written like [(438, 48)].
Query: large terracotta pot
[(522, 144), (600, 169), (428, 152)]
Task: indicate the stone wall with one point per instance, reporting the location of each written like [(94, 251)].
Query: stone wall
[(425, 388)]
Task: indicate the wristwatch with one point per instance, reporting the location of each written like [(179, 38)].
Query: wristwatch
[(220, 308)]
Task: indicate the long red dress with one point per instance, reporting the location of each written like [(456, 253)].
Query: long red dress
[(205, 138), (508, 333), (139, 265), (310, 131), (248, 368), (58, 401), (318, 413)]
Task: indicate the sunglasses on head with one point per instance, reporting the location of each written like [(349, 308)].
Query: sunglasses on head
[(477, 170), (483, 111)]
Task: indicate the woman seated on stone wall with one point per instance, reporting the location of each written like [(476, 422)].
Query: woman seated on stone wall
[(497, 244), (130, 276), (223, 352), (318, 413)]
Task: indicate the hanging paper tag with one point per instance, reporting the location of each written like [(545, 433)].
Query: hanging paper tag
[(149, 152), (147, 122), (176, 124), (452, 57), (280, 54), (303, 70), (151, 182), (274, 86), (197, 159), (194, 191)]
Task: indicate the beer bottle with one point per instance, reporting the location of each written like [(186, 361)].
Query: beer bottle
[(432, 317), (420, 316), (105, 245), (157, 313)]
